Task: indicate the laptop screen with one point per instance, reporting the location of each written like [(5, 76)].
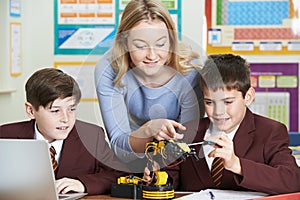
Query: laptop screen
[(26, 170)]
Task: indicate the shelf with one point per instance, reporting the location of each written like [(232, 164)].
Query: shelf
[(7, 91)]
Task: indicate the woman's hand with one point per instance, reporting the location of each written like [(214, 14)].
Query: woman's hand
[(159, 129), (163, 129), (224, 149)]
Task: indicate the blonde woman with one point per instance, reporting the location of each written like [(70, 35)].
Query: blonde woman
[(145, 84)]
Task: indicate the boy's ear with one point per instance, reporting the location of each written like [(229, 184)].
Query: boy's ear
[(29, 110), (250, 96)]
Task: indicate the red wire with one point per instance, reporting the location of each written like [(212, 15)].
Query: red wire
[(170, 166)]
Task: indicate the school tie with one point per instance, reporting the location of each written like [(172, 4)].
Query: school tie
[(52, 154), (216, 171)]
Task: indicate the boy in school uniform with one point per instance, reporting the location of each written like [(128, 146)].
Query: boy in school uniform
[(253, 150), (81, 151)]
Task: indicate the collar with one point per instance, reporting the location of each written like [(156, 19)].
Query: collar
[(212, 130), (57, 144)]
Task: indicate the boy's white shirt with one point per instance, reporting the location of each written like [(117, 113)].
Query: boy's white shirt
[(212, 130), (57, 144)]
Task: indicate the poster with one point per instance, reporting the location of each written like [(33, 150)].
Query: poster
[(253, 26), (277, 92), (83, 73), (15, 49), (85, 12), (89, 26), (15, 8)]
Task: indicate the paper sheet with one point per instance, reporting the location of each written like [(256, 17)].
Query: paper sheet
[(223, 195)]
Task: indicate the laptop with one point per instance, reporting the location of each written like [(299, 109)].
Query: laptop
[(26, 171)]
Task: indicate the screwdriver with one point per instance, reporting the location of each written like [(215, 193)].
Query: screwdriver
[(200, 143)]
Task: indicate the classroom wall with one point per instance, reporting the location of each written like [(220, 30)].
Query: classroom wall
[(38, 47), (37, 52)]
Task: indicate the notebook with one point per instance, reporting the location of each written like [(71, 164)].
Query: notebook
[(26, 171)]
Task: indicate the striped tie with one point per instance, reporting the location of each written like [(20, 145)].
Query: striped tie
[(54, 163), (216, 171)]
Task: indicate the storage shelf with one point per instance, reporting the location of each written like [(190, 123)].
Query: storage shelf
[(7, 91)]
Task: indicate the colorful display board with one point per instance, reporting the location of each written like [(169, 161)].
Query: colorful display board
[(253, 26), (89, 26), (277, 92)]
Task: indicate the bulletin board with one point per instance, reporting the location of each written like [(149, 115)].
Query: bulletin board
[(253, 26), (83, 73), (89, 26), (277, 92)]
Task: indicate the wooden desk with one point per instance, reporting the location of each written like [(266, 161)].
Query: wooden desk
[(96, 197), (291, 196), (101, 197)]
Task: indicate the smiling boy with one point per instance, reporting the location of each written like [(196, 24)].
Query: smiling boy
[(82, 153), (253, 149)]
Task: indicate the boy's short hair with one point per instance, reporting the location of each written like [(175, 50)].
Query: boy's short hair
[(226, 71), (48, 84)]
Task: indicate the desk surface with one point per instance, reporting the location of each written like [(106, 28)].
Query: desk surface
[(101, 197), (109, 197)]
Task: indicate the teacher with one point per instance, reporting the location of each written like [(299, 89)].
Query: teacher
[(147, 84)]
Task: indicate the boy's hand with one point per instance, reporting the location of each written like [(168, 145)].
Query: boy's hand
[(147, 172), (65, 185), (224, 149)]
